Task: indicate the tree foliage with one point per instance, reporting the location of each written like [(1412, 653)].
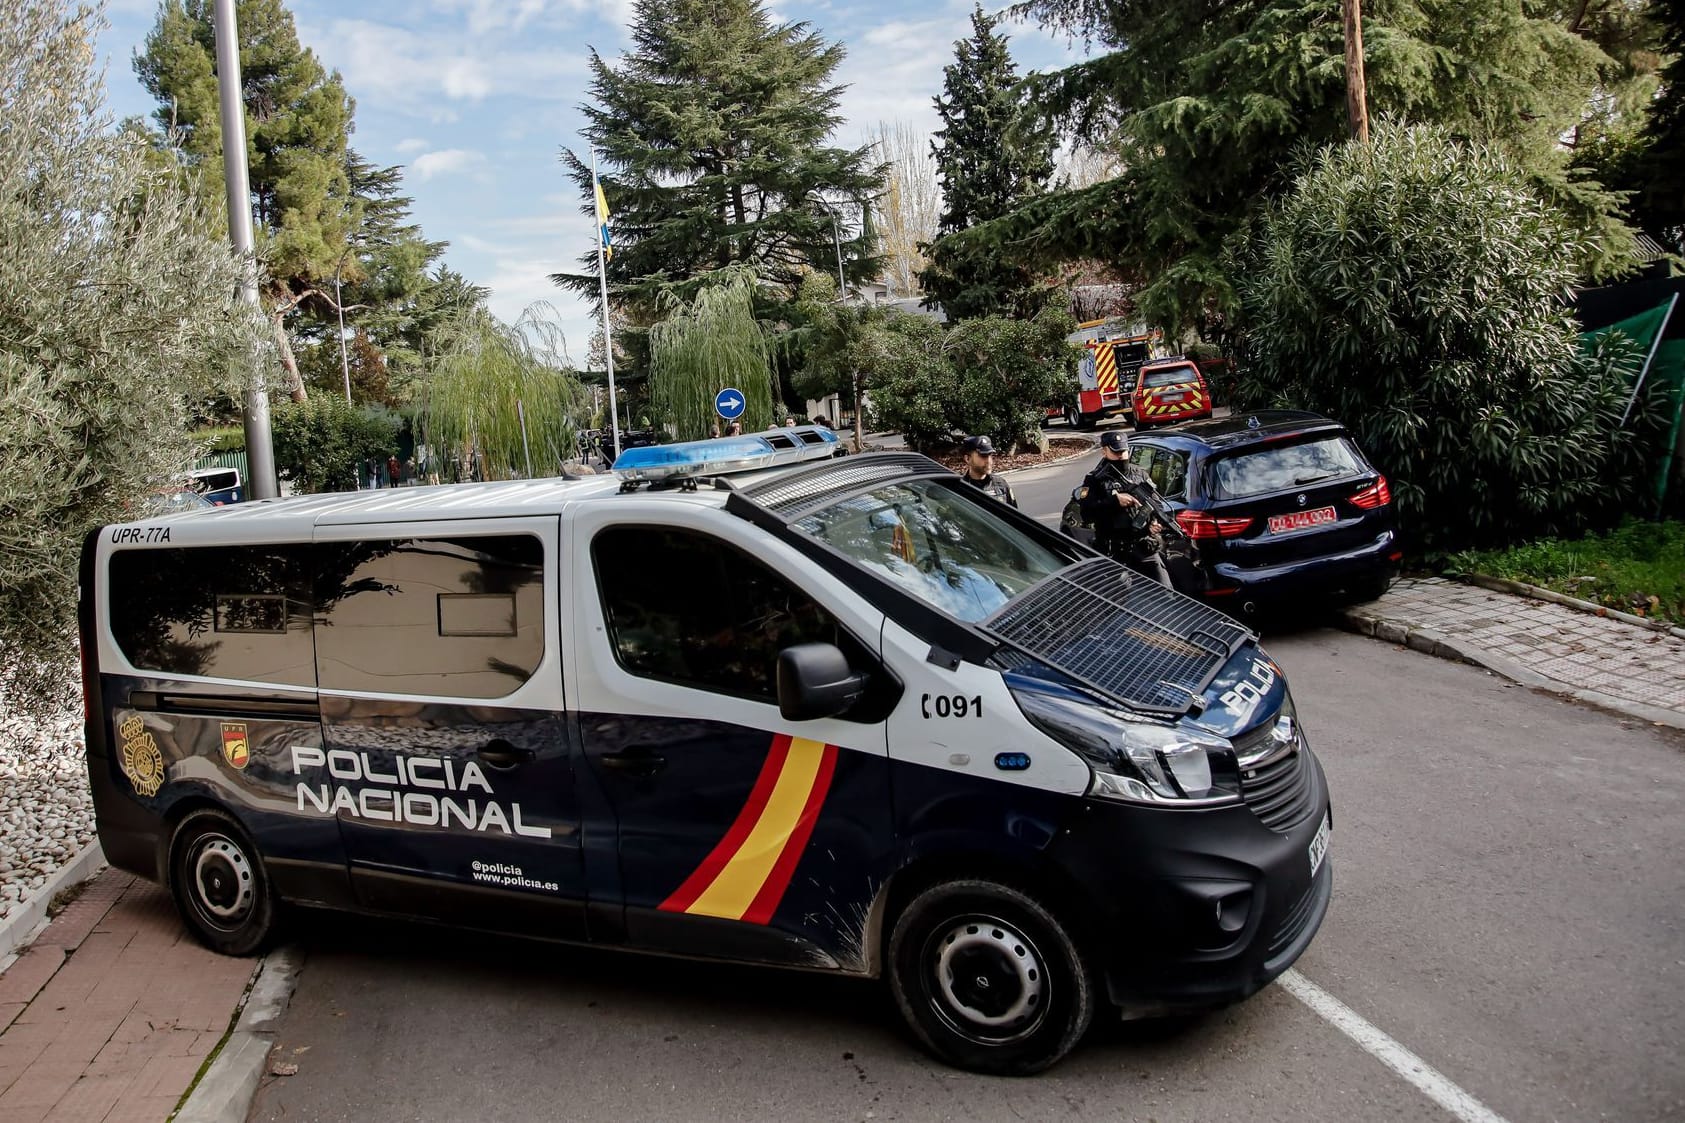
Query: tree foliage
[(1413, 289), (499, 395), (323, 214), (704, 345), (992, 374), (1638, 145), (1206, 105), (987, 164), (321, 444), (115, 316), (911, 202), (712, 133)]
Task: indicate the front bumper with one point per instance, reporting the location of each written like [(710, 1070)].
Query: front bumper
[(1198, 909)]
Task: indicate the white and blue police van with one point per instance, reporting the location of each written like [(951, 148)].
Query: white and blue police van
[(741, 699)]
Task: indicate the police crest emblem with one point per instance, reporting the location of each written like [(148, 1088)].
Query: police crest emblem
[(139, 757)]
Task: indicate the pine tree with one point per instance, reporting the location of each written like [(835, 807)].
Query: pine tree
[(711, 133), (987, 165), (321, 210)]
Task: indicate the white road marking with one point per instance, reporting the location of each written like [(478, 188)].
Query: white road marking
[(1429, 1080)]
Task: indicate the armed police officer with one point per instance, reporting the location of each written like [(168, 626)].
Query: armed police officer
[(980, 469), (1116, 499)]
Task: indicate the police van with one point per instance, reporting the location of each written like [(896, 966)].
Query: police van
[(739, 700)]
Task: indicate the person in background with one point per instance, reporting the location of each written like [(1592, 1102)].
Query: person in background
[(394, 470), (735, 429), (979, 469)]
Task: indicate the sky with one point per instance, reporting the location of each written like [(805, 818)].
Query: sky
[(476, 99)]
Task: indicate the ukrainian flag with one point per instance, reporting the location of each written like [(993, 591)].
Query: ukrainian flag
[(602, 222)]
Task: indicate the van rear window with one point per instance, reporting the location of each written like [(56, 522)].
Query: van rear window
[(1169, 376), (220, 612)]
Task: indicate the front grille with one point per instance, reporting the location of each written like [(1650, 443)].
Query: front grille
[(1294, 923), (789, 496), (1122, 634), (1279, 791)]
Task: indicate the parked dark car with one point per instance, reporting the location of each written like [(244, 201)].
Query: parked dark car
[(1276, 504)]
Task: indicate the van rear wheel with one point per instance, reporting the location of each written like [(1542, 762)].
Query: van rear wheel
[(988, 979), (219, 884)]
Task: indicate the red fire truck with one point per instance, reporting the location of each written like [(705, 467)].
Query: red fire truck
[(1112, 357)]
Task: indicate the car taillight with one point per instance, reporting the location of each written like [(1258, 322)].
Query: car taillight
[(1198, 524), (1377, 494)]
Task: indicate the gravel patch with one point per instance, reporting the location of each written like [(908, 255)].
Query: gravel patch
[(46, 810)]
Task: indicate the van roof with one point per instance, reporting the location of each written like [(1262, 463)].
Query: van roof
[(296, 514)]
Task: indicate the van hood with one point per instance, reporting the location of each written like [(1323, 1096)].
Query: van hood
[(1125, 637)]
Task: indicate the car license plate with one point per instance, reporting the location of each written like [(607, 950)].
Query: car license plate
[(1319, 845), (1171, 399), (1299, 520)]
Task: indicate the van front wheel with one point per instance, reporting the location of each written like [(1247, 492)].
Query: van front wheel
[(988, 979), (219, 884)]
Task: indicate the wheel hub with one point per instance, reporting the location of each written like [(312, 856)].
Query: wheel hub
[(222, 879), (990, 980)]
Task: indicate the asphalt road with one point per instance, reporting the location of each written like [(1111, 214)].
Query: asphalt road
[(1509, 907)]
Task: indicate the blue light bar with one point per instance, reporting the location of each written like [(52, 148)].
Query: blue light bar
[(724, 455)]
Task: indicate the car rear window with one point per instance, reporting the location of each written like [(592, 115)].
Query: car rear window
[(1270, 468), (1169, 376)]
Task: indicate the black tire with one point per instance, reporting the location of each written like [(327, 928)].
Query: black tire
[(219, 884), (988, 979), (1072, 417), (1368, 589), (1087, 421)]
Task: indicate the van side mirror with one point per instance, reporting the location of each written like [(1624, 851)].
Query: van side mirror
[(815, 681)]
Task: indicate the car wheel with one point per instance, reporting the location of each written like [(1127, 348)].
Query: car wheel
[(1370, 588), (988, 979), (219, 884)]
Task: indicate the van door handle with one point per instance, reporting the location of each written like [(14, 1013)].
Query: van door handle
[(501, 754), (635, 760)]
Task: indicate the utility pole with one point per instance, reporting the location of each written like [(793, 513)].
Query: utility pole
[(260, 451), (1357, 93)]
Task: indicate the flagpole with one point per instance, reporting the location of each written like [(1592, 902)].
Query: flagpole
[(608, 340)]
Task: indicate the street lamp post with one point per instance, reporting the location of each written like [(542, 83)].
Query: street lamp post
[(339, 308), (842, 287)]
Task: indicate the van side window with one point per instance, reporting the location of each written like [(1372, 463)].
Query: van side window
[(453, 617), (688, 609), (234, 612)]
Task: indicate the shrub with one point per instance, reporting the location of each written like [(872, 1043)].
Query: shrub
[(116, 313), (1413, 290), (990, 375), (320, 444)]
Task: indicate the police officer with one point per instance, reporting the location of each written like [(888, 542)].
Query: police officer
[(979, 469), (1124, 525)]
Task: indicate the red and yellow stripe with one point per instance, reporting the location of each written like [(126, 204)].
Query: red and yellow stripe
[(745, 875), (1105, 368)]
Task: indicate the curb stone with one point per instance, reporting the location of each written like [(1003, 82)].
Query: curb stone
[(227, 1088), (1430, 642), (25, 922), (1534, 592)]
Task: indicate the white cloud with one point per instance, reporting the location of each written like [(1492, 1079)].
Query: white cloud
[(444, 162), (410, 144)]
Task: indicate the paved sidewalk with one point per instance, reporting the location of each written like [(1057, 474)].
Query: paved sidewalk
[(111, 1012), (1621, 666)]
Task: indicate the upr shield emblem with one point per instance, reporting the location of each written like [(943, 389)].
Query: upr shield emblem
[(235, 745)]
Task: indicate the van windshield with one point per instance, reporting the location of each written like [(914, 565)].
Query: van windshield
[(940, 546)]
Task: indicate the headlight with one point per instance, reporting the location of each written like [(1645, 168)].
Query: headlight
[(1135, 760)]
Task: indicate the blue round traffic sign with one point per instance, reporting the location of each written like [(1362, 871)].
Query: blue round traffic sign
[(729, 404)]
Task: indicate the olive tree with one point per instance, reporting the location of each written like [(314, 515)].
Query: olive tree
[(116, 315), (1413, 289)]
